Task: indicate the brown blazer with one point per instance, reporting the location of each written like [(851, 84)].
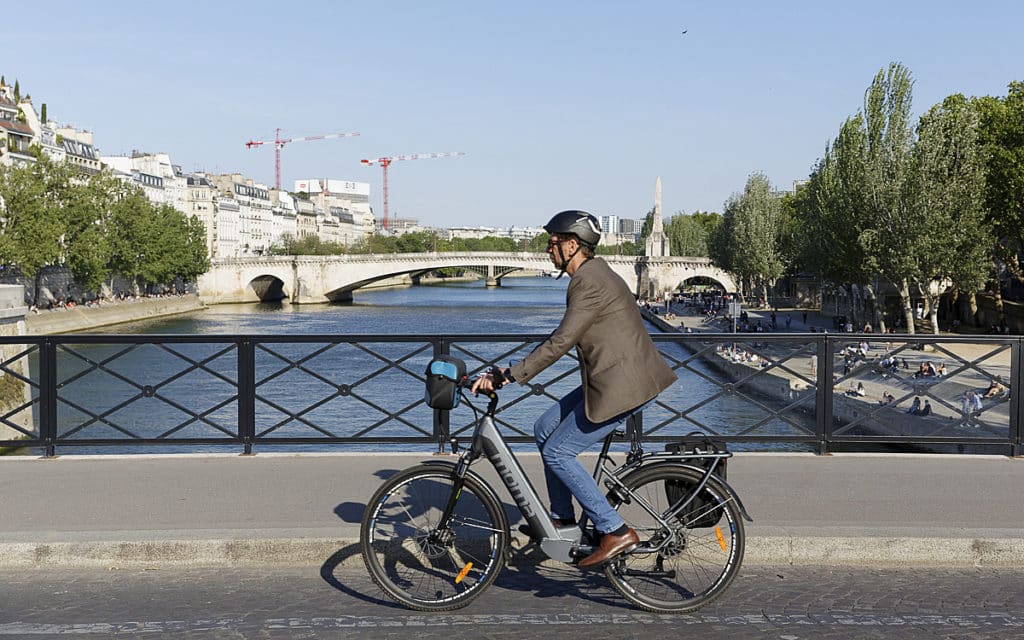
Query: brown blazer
[(620, 367)]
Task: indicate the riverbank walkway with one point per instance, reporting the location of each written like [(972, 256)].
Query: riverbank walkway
[(878, 384), (226, 510)]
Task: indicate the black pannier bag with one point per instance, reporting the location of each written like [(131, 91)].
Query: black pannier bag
[(445, 374), (699, 513)]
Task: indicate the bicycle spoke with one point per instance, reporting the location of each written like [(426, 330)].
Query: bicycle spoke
[(679, 567)]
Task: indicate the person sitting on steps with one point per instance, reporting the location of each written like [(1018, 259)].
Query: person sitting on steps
[(915, 407), (995, 388)]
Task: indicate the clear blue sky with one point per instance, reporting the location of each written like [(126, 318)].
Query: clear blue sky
[(574, 104)]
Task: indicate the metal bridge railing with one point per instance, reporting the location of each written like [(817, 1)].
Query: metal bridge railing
[(818, 392)]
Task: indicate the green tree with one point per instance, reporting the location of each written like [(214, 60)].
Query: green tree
[(946, 199), (627, 248), (312, 246), (648, 225), (87, 211), (31, 222), (892, 237), (133, 236), (1002, 135), (539, 243), (707, 219), (830, 214), (175, 247), (747, 241), (688, 234)]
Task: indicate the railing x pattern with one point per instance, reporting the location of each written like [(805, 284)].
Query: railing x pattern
[(821, 393)]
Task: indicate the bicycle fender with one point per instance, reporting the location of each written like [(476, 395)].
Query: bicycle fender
[(725, 485)]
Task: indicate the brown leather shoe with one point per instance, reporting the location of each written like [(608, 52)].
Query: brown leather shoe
[(610, 547)]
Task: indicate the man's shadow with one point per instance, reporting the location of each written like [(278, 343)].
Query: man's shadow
[(523, 572), (351, 556)]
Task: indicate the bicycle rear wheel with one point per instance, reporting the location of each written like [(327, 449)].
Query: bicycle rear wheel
[(419, 566), (676, 568)]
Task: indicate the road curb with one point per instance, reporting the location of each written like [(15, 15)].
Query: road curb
[(333, 552)]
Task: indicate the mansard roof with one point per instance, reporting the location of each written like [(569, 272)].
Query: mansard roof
[(16, 127), (76, 148), (199, 181)]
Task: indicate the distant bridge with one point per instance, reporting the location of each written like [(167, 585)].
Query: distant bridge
[(319, 279)]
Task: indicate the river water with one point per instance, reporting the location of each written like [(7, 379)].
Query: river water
[(523, 305)]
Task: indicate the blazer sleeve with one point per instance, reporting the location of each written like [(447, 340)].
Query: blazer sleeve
[(583, 305)]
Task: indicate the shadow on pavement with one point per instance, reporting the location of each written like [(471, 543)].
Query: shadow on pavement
[(340, 557), (526, 574), (350, 511)]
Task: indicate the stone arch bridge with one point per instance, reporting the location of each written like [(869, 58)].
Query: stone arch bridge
[(319, 279)]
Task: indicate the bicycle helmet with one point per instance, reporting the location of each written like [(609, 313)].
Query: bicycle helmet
[(579, 223)]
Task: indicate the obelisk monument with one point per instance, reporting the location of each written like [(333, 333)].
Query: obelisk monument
[(657, 243)]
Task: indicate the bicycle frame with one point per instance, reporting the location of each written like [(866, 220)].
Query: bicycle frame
[(557, 543), (561, 543)]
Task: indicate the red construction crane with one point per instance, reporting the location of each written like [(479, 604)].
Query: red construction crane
[(279, 142), (385, 162)]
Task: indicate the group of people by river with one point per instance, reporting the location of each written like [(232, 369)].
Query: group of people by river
[(877, 371), (61, 304)]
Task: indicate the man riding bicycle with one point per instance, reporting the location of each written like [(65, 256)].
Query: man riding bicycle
[(621, 372)]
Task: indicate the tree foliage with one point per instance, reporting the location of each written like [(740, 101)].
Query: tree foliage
[(1001, 134), (31, 221), (96, 226), (946, 196), (898, 202), (747, 242), (688, 234), (414, 242)]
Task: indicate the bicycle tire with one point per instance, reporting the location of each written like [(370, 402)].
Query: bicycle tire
[(690, 572), (423, 573)]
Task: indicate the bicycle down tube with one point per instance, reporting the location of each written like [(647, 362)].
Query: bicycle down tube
[(558, 543)]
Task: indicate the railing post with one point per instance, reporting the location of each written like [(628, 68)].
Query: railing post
[(442, 426), (824, 396), (246, 393), (48, 396), (1016, 426)]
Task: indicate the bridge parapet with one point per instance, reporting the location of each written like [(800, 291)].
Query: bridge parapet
[(319, 279)]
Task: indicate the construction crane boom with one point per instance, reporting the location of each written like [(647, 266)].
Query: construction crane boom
[(386, 161), (279, 142)]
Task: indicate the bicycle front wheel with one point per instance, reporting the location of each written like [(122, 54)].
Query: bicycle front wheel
[(683, 562), (423, 567)]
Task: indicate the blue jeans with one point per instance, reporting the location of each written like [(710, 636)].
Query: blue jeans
[(562, 433)]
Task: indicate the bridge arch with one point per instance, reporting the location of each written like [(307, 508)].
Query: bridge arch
[(268, 288), (703, 280)]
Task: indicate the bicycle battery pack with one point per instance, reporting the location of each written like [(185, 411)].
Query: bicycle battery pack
[(445, 375)]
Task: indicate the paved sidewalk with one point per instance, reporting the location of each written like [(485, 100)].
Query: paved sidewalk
[(856, 509)]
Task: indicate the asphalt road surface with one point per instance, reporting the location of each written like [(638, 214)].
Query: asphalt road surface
[(338, 600)]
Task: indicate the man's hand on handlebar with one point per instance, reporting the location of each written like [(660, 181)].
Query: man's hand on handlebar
[(490, 381)]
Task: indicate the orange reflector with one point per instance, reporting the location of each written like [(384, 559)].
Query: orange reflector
[(465, 571), (721, 538)]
